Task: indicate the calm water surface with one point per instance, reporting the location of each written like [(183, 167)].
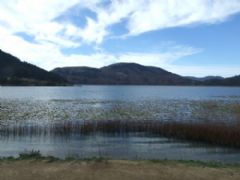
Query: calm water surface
[(126, 93), (48, 105)]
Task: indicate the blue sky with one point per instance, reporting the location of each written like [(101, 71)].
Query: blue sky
[(188, 37)]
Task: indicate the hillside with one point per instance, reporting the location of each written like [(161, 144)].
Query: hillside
[(15, 72), (231, 81), (207, 78), (136, 74), (122, 74)]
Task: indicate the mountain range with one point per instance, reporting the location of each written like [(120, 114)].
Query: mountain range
[(15, 72), (122, 74), (136, 74)]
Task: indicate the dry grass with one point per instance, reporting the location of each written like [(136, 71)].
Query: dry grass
[(211, 133)]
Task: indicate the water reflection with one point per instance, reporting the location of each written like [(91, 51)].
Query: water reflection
[(117, 147)]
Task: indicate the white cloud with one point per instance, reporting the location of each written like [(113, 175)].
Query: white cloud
[(161, 59), (36, 18), (49, 56), (162, 14), (148, 15)]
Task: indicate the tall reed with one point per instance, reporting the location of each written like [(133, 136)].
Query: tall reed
[(211, 133)]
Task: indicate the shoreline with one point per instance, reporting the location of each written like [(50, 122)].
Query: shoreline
[(103, 169), (36, 156)]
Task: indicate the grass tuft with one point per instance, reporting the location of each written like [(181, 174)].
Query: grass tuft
[(30, 155)]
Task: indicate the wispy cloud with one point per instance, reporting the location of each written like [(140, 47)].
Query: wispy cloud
[(148, 15), (35, 17), (49, 56), (38, 19), (163, 14), (202, 71)]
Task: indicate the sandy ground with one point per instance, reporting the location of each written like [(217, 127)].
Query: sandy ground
[(114, 170)]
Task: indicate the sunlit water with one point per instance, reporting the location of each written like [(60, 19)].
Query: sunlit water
[(49, 105)]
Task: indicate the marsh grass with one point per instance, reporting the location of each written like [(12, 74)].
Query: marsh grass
[(211, 133)]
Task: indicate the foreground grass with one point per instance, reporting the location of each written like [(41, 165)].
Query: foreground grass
[(34, 166)]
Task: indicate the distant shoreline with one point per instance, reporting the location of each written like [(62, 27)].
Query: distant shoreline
[(79, 85)]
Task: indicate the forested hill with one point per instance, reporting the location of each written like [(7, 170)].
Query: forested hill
[(122, 73), (136, 74), (15, 72)]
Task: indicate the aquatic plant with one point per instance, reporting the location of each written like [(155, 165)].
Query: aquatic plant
[(45, 112), (212, 133), (208, 121)]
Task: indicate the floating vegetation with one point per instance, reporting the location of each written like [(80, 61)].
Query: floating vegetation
[(209, 121), (51, 111)]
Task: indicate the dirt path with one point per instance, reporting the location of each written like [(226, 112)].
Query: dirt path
[(111, 170)]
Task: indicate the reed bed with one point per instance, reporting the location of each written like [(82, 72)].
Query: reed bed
[(211, 133)]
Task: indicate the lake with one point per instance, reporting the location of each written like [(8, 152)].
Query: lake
[(46, 106), (126, 93)]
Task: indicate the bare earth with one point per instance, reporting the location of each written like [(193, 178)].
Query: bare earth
[(114, 170)]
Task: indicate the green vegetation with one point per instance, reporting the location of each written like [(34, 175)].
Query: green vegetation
[(30, 155), (36, 156)]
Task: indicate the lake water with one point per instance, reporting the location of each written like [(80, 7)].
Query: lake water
[(49, 105), (126, 93)]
